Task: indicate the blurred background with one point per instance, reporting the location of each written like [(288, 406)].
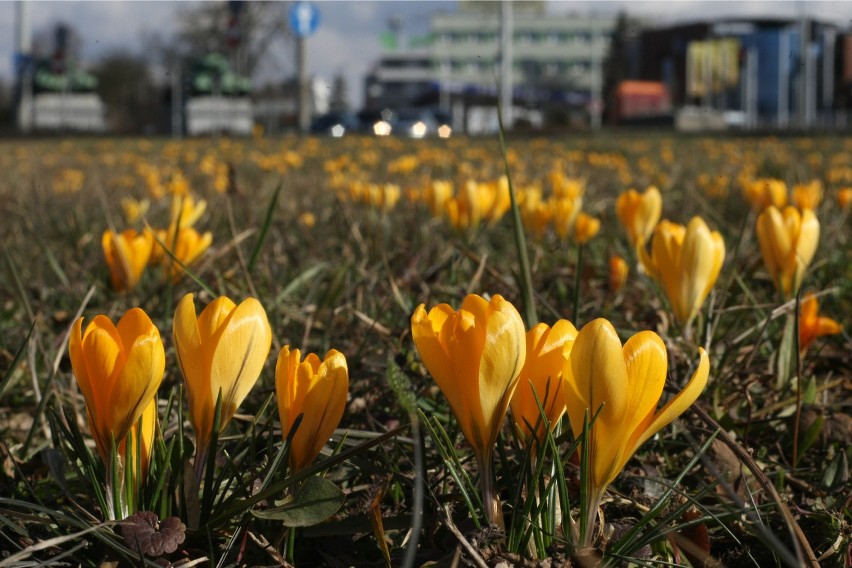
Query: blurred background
[(421, 69)]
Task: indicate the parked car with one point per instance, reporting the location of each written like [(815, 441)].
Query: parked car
[(377, 122), (415, 123), (445, 123), (335, 124)]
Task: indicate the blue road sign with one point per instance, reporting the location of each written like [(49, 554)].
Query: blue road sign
[(304, 19)]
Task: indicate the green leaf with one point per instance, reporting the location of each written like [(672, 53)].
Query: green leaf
[(812, 434), (837, 472), (270, 211), (316, 500), (7, 376), (809, 396)]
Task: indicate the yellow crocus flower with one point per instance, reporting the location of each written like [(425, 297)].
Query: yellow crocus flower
[(437, 194), (764, 192), (788, 241), (189, 247), (844, 197), (808, 195), (475, 355), (639, 213), (119, 369), (127, 255), (563, 211), (535, 214), (813, 325), (497, 199), (586, 228), (307, 219), (315, 390), (686, 261), (186, 209), (540, 380), (134, 209), (622, 385), (618, 271), (222, 350)]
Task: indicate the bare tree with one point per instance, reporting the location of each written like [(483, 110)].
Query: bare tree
[(242, 30), (126, 88)]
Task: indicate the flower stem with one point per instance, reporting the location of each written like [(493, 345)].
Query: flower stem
[(490, 499), (577, 270), (786, 353), (198, 466)]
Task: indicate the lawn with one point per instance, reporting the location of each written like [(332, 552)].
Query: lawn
[(338, 241)]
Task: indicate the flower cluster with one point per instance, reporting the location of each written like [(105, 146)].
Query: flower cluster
[(221, 353), (484, 362)]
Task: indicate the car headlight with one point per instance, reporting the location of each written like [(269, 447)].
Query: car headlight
[(445, 131), (338, 130), (418, 129), (382, 128)]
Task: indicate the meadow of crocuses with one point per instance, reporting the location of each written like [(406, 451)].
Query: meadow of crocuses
[(611, 350)]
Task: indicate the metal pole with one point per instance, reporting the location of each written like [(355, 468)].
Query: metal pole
[(596, 86), (23, 44), (177, 102), (810, 84), (783, 78), (443, 87), (804, 73), (751, 87), (304, 93), (506, 33), (829, 41)]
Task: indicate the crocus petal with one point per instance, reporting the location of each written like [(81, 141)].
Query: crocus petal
[(324, 405), (812, 325), (213, 319), (646, 361), (194, 367), (426, 329), (718, 251), (132, 325), (598, 380), (540, 380), (774, 241), (828, 326), (701, 259), (679, 403), (464, 338), (102, 353), (286, 387), (139, 380), (806, 241), (240, 353), (502, 359), (78, 361)]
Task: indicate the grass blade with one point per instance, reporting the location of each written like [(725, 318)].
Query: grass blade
[(270, 211)]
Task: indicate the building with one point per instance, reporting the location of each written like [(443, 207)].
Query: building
[(771, 72), (556, 62)]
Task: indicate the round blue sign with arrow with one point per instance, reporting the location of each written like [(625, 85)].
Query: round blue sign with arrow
[(304, 19)]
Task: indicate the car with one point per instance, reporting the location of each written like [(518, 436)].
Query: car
[(415, 123), (445, 123), (377, 122), (335, 124)]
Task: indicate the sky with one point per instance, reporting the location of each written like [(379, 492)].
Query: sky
[(347, 38)]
